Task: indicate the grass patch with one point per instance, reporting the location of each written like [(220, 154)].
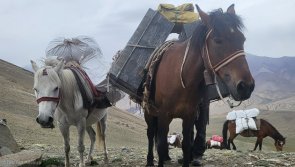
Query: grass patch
[(52, 161)]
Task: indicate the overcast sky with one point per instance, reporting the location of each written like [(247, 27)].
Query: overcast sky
[(27, 26)]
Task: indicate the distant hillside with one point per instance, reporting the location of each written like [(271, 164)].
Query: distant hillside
[(274, 81)]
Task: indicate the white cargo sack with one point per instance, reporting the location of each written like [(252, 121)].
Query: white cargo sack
[(244, 124), (215, 143), (235, 114)]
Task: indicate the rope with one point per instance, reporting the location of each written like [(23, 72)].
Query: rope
[(183, 61), (141, 46), (230, 104)]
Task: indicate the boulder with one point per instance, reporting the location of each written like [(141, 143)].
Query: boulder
[(30, 158), (8, 144)]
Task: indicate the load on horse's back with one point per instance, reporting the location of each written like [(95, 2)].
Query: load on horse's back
[(68, 95)]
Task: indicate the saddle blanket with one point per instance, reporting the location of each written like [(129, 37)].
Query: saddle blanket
[(244, 124), (235, 114)]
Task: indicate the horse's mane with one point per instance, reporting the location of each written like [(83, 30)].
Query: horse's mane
[(219, 22), (277, 134)]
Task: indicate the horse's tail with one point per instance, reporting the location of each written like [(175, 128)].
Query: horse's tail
[(100, 131), (224, 133)]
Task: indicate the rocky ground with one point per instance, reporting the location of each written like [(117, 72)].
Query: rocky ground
[(133, 157)]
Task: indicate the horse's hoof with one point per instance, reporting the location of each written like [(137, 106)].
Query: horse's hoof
[(197, 161), (150, 164), (88, 160), (167, 158), (106, 160)]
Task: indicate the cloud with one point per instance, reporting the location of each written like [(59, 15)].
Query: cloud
[(28, 26)]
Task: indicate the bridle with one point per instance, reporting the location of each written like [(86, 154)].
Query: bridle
[(216, 67), (222, 63), (48, 98)]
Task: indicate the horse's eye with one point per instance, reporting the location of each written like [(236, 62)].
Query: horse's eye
[(217, 40), (55, 89)]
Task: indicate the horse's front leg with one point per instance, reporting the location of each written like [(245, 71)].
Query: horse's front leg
[(65, 131), (81, 127), (187, 127)]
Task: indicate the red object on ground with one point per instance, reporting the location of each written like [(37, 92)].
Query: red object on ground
[(217, 138)]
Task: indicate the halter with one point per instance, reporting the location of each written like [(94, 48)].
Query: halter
[(223, 62), (219, 65), (48, 98)]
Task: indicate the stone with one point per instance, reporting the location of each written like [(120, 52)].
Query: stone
[(24, 157), (6, 138)]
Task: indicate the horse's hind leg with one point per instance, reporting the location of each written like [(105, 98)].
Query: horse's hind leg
[(256, 144), (162, 131), (65, 131), (151, 130), (260, 143), (91, 134), (231, 140), (101, 129), (81, 127)]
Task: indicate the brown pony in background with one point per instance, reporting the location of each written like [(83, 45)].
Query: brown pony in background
[(266, 129), (178, 87)]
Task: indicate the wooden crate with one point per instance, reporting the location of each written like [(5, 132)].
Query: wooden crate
[(126, 71)]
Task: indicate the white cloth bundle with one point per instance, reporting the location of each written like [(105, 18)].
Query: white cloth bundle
[(79, 49), (245, 123), (214, 143), (235, 114), (172, 139)]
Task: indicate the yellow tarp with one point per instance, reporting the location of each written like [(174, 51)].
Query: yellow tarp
[(180, 14)]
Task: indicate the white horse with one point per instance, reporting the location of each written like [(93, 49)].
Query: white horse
[(59, 97)]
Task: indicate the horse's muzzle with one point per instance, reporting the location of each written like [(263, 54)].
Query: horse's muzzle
[(245, 90), (45, 124)]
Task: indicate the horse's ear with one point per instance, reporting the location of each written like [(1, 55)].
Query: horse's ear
[(34, 66), (231, 9), (204, 16), (59, 66)]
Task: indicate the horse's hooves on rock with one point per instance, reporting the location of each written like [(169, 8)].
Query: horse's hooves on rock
[(168, 159), (150, 164), (180, 161), (196, 162)]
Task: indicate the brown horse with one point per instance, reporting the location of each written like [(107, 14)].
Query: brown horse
[(266, 129), (216, 46)]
